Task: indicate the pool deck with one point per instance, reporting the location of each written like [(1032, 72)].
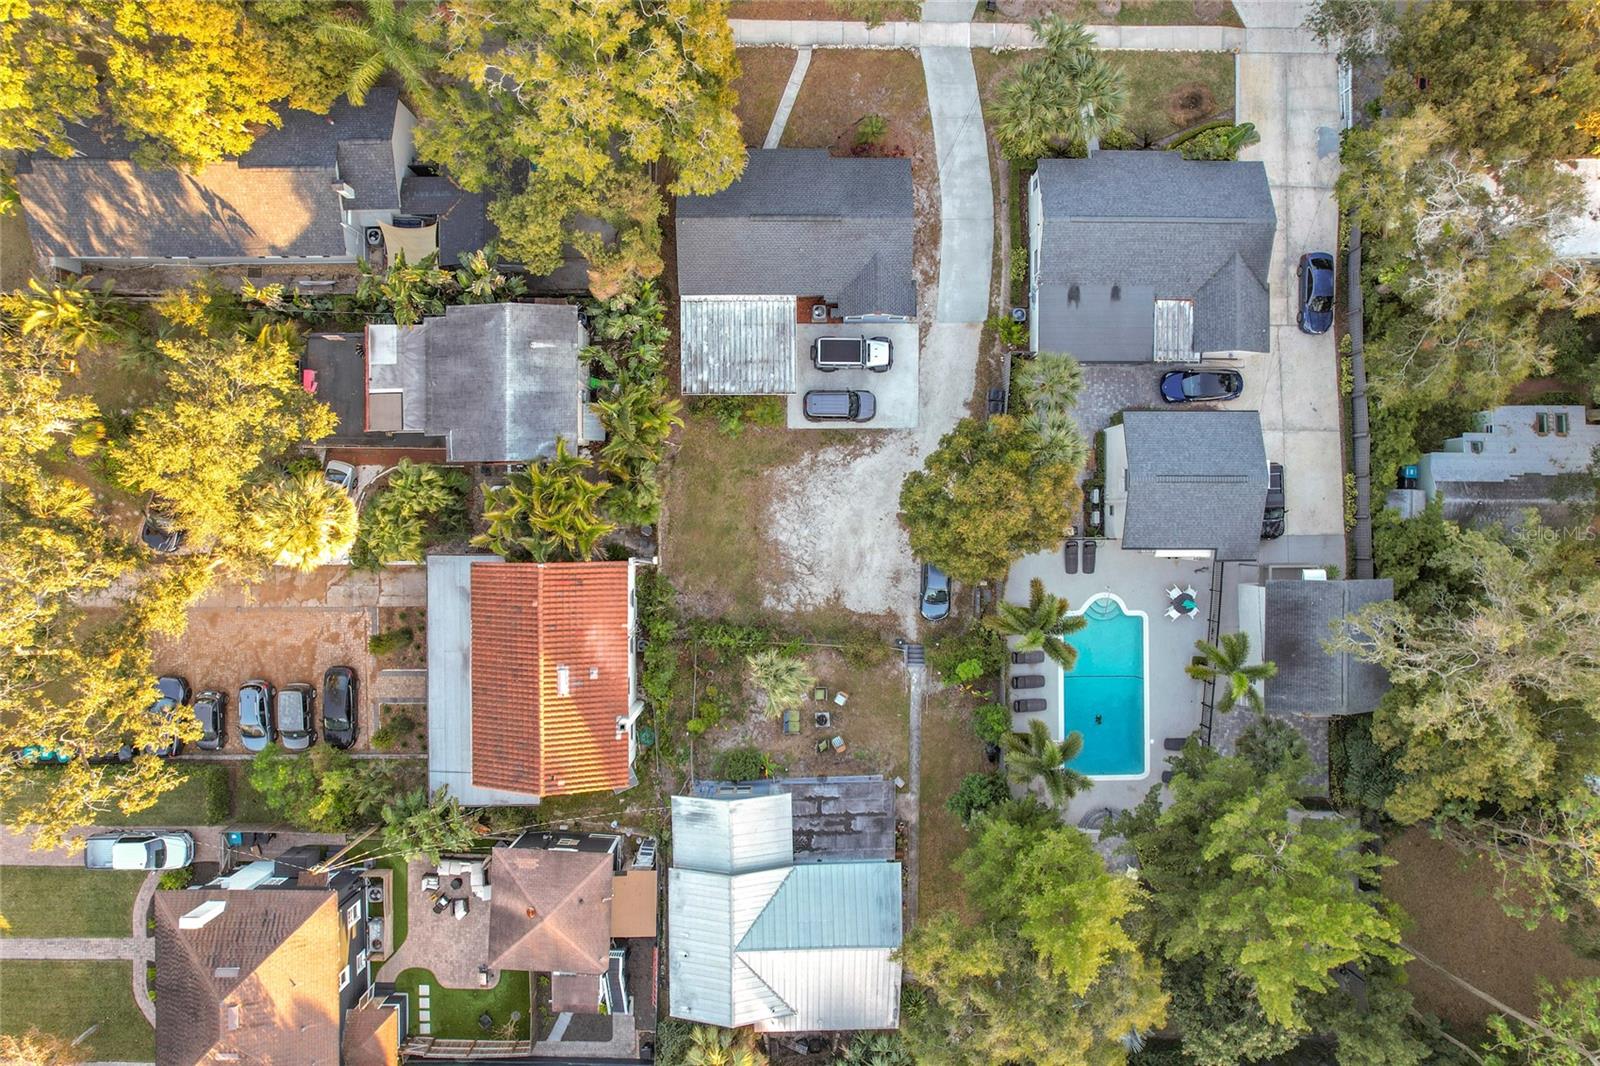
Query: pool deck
[(1140, 580)]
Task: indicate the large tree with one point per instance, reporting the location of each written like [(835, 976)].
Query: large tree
[(986, 497), (1245, 881), (230, 407), (1050, 975), (1041, 625), (189, 81), (1067, 96), (1518, 80), (303, 522)]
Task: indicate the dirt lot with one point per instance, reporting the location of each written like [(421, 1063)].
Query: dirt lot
[(763, 72), (1167, 91), (874, 723), (228, 645), (1120, 12), (1456, 922)]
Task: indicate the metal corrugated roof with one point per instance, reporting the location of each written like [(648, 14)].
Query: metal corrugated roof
[(784, 947), (737, 345), (1174, 332), (730, 836)]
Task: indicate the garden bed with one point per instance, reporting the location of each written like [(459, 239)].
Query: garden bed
[(411, 654)]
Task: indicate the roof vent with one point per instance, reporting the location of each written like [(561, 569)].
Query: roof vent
[(563, 681), (225, 971), (594, 673), (197, 918), (345, 189), (532, 912), (231, 1016), (1116, 292), (1072, 294)]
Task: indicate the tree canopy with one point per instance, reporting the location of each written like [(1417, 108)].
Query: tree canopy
[(986, 497), (1050, 975)]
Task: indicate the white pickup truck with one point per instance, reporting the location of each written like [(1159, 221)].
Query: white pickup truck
[(139, 851)]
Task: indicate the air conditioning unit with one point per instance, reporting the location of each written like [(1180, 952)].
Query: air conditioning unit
[(819, 312), (374, 237)]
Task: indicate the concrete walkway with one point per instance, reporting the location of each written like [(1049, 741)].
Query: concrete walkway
[(966, 197), (624, 1043), (823, 33), (791, 92), (144, 946), (69, 947)]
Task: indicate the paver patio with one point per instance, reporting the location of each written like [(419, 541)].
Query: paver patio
[(452, 949)]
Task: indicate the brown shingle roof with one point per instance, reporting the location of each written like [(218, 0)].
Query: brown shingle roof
[(372, 1036), (578, 993), (551, 910), (550, 664), (633, 904), (259, 982)]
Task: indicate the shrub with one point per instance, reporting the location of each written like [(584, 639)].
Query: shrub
[(733, 413), (390, 640), (1361, 774), (971, 655), (1349, 502), (219, 796), (1019, 271), (991, 722), (871, 129), (1219, 143), (1013, 334), (397, 726), (175, 879), (742, 764), (420, 505), (978, 792)]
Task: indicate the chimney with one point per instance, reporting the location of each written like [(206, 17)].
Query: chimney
[(197, 918), (345, 189)]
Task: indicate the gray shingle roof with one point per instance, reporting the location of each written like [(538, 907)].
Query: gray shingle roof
[(1159, 227), (1299, 617), (1196, 480), (504, 381), (275, 200), (802, 223), (464, 224)]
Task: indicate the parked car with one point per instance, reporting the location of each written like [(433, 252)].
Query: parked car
[(1197, 386), (339, 715), (255, 715), (297, 729), (852, 353), (210, 709), (1315, 275), (159, 532), (139, 850), (340, 474), (174, 693), (839, 405), (935, 593), (1272, 519)]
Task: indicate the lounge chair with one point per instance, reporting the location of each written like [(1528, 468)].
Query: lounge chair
[(1172, 614), (1174, 743), (1027, 658), (1027, 681), (1088, 556), (1166, 777), (1027, 706), (1072, 557)]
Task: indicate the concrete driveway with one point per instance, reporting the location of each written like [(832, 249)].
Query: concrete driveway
[(895, 389), (1293, 99)]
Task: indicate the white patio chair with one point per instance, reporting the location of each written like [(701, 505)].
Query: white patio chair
[(1172, 614), (1189, 592), (1172, 593)]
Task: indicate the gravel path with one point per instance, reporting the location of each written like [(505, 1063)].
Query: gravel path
[(69, 947)]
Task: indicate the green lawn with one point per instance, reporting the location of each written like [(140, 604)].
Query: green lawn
[(202, 799), (454, 1012), (69, 997), (68, 900), (249, 806)]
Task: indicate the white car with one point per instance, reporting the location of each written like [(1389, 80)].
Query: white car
[(340, 474), (139, 851)]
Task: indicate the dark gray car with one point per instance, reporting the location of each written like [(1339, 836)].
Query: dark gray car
[(1272, 518), (839, 405), (935, 593), (210, 708), (297, 729)]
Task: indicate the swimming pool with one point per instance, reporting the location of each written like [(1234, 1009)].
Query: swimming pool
[(1105, 696)]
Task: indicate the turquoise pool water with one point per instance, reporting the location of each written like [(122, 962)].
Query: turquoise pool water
[(1103, 696)]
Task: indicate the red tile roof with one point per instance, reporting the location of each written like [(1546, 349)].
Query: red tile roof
[(549, 676)]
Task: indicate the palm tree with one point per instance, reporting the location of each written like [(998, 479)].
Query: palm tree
[(710, 1045), (1229, 666), (1040, 625), (545, 512), (1100, 96), (1059, 438), (638, 423), (783, 679), (1049, 382), (304, 522), (387, 39), (1028, 113), (74, 312), (1033, 756)]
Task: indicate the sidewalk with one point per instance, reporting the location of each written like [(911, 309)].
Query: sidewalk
[(822, 33), (73, 948)]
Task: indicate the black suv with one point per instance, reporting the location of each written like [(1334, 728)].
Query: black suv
[(1272, 519)]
